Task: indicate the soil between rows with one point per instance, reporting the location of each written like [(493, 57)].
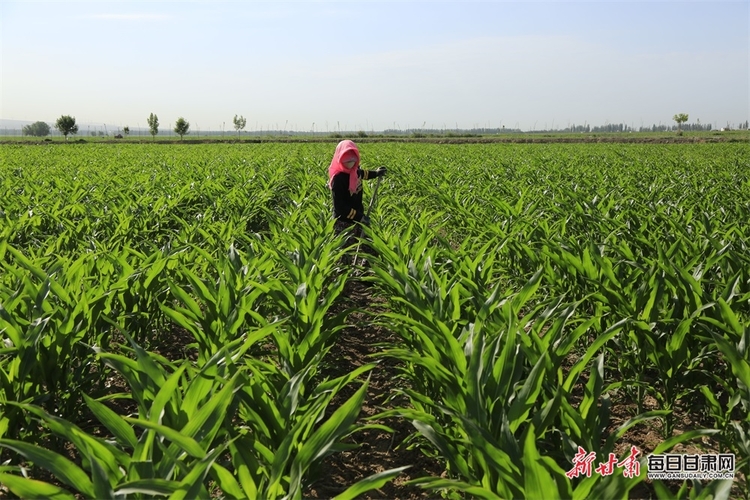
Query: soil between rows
[(378, 450)]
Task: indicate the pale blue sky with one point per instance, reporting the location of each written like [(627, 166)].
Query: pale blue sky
[(376, 65)]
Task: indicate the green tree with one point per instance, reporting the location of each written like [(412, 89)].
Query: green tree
[(153, 125), (37, 129), (680, 118), (66, 124), (126, 130), (239, 124), (181, 127)]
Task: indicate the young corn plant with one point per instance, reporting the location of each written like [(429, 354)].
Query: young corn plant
[(218, 309), (307, 288), (169, 449), (487, 393), (45, 316), (732, 337), (187, 424)]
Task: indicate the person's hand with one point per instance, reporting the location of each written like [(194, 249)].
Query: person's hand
[(381, 171)]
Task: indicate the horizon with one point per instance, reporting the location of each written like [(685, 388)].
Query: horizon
[(108, 129), (315, 67)]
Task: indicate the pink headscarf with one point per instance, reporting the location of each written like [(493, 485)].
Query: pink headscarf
[(344, 150)]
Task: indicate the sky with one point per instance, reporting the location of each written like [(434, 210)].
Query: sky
[(371, 66)]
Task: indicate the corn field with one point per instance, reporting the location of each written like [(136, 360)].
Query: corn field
[(536, 291)]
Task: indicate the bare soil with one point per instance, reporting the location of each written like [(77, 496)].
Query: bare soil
[(378, 450)]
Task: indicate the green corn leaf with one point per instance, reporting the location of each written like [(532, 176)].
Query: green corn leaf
[(720, 325), (166, 393), (192, 485), (628, 424), (177, 315), (718, 490), (446, 448), (593, 391), (335, 385), (120, 429), (439, 484), (91, 446), (203, 425), (711, 401), (31, 488), (557, 473), (4, 424), (740, 366), (568, 341), (686, 436), (186, 299), (39, 274), (550, 411), (141, 469), (227, 482), (146, 363), (154, 271), (614, 486), (520, 299), (602, 339), (455, 302), (494, 459), (475, 374), (102, 485), (62, 468), (654, 293), (588, 266), (583, 488), (574, 425), (677, 340), (538, 482), (691, 287), (10, 328), (156, 487), (527, 396), (245, 464), (184, 442), (373, 482), (198, 390), (730, 318), (290, 393), (324, 437), (208, 297)]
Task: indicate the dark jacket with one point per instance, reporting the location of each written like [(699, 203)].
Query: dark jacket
[(346, 206)]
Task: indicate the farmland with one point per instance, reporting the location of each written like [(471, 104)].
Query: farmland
[(173, 318)]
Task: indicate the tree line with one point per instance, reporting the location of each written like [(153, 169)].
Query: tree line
[(66, 125)]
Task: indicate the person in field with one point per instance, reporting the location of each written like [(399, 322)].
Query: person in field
[(345, 181)]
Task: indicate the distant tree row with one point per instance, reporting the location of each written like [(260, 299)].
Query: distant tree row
[(66, 125), (182, 127)]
